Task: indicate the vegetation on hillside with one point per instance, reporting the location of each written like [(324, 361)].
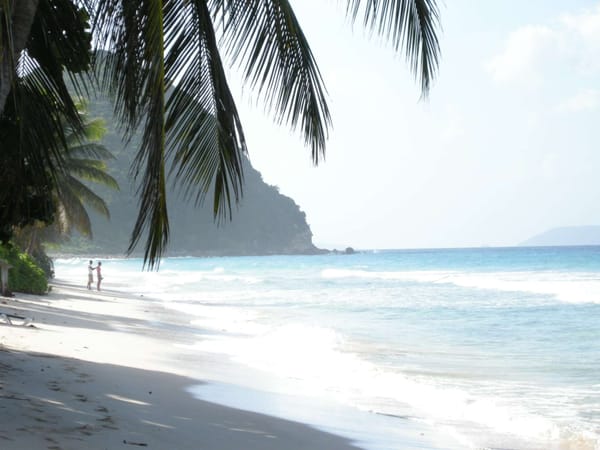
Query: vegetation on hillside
[(266, 222)]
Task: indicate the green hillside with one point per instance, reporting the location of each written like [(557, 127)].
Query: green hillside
[(265, 222)]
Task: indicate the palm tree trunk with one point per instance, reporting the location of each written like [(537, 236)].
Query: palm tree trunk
[(16, 23), (33, 244)]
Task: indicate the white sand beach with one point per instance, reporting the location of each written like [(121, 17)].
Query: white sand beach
[(97, 371)]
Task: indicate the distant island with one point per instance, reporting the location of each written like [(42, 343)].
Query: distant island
[(563, 236)]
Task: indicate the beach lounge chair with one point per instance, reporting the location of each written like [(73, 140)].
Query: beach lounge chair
[(10, 318)]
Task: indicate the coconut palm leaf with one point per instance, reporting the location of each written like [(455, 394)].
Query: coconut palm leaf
[(83, 161), (204, 129), (58, 43), (411, 26), (71, 212), (91, 150), (201, 123), (94, 130), (15, 25), (73, 197), (91, 170), (135, 73), (264, 38), (153, 46), (38, 103), (172, 46), (72, 189), (32, 140), (26, 192)]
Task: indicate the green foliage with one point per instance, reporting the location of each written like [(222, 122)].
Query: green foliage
[(45, 263), (84, 163), (195, 127), (39, 110), (25, 275), (26, 193), (59, 37)]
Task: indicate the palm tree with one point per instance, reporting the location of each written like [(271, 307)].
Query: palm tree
[(39, 41), (166, 71), (82, 163)]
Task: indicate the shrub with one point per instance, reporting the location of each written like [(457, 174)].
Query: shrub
[(25, 275), (44, 262)]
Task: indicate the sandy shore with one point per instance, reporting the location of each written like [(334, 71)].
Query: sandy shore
[(99, 371)]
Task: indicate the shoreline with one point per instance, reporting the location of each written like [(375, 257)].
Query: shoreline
[(77, 379), (121, 367), (410, 362), (64, 403), (205, 254)]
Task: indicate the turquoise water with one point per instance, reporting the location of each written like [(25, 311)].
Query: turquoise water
[(498, 347)]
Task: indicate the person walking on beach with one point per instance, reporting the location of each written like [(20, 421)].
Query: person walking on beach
[(99, 274), (90, 275)]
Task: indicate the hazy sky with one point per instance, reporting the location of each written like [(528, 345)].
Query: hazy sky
[(505, 147)]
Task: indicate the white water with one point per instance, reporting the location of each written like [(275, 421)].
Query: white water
[(501, 358)]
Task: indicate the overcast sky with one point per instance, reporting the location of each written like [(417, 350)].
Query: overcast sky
[(505, 147)]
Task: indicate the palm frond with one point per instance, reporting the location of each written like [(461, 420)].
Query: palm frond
[(84, 162), (205, 135), (90, 150), (60, 44), (60, 40), (135, 73), (72, 213), (265, 39), (15, 26), (39, 119), (40, 102), (120, 26), (93, 131), (26, 193), (75, 191), (153, 47), (91, 170), (411, 25), (165, 72)]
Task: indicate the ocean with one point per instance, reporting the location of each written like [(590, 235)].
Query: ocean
[(487, 348)]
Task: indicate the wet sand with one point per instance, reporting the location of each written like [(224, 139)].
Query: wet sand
[(96, 371)]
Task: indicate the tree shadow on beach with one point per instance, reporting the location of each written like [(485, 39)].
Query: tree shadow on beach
[(62, 403), (47, 310)]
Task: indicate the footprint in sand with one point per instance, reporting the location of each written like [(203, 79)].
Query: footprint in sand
[(85, 429), (108, 422), (83, 378), (53, 386)]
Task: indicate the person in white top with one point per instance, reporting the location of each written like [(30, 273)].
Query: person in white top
[(90, 275)]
